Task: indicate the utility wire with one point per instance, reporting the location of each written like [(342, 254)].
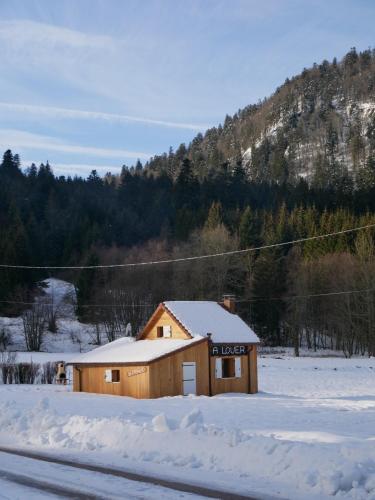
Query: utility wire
[(196, 257), (14, 302), (327, 294), (255, 299)]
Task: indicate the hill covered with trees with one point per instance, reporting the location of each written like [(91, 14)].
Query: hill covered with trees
[(301, 163), (319, 125)]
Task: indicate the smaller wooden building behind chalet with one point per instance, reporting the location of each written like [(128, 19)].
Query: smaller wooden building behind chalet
[(187, 347)]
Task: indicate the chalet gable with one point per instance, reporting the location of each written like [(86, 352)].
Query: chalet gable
[(190, 319), (163, 324)]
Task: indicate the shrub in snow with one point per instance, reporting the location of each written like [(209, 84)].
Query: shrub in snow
[(7, 360), (48, 373), (26, 373)]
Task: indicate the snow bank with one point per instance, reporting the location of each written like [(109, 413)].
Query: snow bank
[(347, 471), (309, 433)]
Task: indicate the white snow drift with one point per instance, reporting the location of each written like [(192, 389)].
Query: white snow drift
[(310, 434)]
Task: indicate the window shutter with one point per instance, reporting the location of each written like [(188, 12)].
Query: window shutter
[(237, 362), (108, 375), (167, 331), (218, 368)]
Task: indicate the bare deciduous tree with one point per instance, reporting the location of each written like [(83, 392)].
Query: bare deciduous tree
[(34, 324), (7, 363)]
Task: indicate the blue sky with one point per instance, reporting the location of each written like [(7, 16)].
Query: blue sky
[(98, 83)]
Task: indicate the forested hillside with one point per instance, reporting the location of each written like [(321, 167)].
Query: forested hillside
[(302, 163), (319, 125)]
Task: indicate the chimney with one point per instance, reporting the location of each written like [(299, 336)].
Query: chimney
[(229, 302)]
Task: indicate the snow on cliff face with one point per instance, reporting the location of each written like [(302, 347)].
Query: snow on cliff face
[(305, 150)]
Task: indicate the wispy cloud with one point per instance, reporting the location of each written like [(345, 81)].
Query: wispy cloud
[(57, 112), (20, 33), (78, 168), (18, 139)]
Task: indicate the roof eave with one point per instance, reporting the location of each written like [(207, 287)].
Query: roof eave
[(136, 363)]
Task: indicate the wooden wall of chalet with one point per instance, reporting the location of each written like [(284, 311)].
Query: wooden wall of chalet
[(164, 319), (247, 383), (253, 370), (162, 377), (166, 373), (92, 379)]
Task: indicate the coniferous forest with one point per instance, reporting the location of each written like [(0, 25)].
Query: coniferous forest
[(287, 168)]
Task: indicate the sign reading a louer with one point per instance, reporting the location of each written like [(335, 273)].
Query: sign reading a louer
[(228, 350)]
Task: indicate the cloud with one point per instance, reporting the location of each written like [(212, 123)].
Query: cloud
[(78, 168), (57, 112), (18, 139), (20, 34), (137, 70)]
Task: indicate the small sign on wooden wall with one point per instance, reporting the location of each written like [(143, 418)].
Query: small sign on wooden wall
[(228, 350), (137, 371)]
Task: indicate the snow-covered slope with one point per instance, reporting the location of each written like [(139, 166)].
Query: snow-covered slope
[(71, 335)]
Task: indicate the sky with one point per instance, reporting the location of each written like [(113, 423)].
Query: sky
[(96, 84)]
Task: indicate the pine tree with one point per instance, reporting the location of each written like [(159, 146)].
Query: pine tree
[(248, 229), (215, 216)]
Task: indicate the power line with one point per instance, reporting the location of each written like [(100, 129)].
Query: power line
[(255, 299), (327, 294), (192, 258), (14, 302)]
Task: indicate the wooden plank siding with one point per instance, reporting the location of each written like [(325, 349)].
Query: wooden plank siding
[(92, 379), (163, 377), (253, 370), (233, 384), (166, 373)]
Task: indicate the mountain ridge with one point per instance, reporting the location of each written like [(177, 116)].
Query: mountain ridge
[(318, 125)]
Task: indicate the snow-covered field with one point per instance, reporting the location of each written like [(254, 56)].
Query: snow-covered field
[(309, 433)]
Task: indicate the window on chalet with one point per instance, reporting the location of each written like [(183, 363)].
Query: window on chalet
[(228, 368), (112, 375), (164, 331)]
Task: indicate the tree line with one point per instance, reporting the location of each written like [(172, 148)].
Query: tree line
[(139, 216)]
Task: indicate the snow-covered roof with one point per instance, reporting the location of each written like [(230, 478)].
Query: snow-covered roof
[(126, 350), (202, 317)]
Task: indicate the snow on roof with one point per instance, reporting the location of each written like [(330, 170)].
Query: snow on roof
[(202, 317), (125, 350)]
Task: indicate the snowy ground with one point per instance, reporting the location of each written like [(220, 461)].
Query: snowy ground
[(309, 433), (22, 478), (72, 336)]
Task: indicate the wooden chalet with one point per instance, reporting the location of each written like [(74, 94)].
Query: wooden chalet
[(187, 347)]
